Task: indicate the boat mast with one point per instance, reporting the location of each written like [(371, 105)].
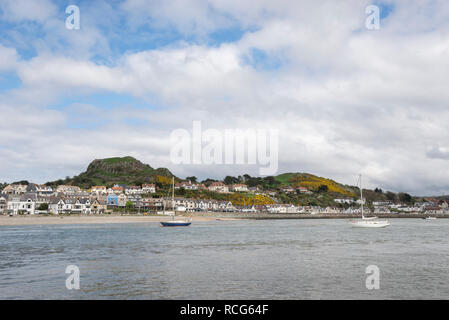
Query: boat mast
[(173, 197), (361, 195)]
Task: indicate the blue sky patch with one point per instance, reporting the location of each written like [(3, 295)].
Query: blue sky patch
[(8, 81), (261, 60), (385, 9), (106, 100)]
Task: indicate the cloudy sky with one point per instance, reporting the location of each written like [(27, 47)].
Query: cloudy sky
[(345, 99)]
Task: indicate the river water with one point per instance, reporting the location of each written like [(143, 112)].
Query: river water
[(250, 259)]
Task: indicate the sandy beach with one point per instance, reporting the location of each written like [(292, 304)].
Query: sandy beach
[(36, 219)]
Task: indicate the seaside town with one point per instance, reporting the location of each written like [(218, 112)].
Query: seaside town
[(34, 199)]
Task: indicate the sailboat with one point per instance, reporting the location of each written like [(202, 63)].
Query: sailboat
[(368, 222), (173, 222)]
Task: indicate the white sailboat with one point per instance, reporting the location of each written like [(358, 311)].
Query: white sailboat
[(368, 222), (173, 222)]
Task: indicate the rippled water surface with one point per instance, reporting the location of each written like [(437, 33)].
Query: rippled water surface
[(269, 259)]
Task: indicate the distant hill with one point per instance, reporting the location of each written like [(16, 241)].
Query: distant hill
[(313, 182), (130, 171), (110, 171)]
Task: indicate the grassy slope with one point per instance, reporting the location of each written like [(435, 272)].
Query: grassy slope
[(118, 160), (312, 182), (117, 170)]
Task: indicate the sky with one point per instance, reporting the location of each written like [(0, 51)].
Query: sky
[(345, 99)]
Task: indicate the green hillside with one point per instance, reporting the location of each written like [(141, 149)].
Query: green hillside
[(110, 171), (313, 182), (130, 171)]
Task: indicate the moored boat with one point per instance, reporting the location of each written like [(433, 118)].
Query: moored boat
[(368, 222), (173, 222)]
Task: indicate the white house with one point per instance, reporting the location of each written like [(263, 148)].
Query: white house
[(44, 190), (3, 203), (98, 190), (290, 208), (121, 200), (81, 206), (115, 190), (15, 189), (381, 203), (288, 189), (347, 201), (188, 185), (59, 206), (331, 210), (240, 187), (219, 187), (25, 204), (148, 188), (304, 190), (68, 190), (276, 208), (133, 190), (226, 206)]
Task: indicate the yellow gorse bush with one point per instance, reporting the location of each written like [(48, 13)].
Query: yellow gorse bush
[(163, 180), (240, 199), (313, 183)]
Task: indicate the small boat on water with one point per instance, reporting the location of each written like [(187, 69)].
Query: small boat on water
[(430, 218), (368, 222), (176, 223), (173, 222)]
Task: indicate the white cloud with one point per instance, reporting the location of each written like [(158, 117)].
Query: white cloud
[(345, 99), (27, 10), (8, 58)]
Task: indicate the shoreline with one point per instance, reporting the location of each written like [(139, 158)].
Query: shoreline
[(86, 219), (196, 217)]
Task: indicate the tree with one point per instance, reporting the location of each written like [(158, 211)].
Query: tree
[(390, 196), (323, 188), (43, 207), (230, 180), (129, 205), (270, 180), (208, 182), (254, 182), (182, 191), (23, 182), (378, 190), (405, 197), (192, 179)]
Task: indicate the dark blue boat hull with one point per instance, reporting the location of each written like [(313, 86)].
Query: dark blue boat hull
[(175, 224)]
